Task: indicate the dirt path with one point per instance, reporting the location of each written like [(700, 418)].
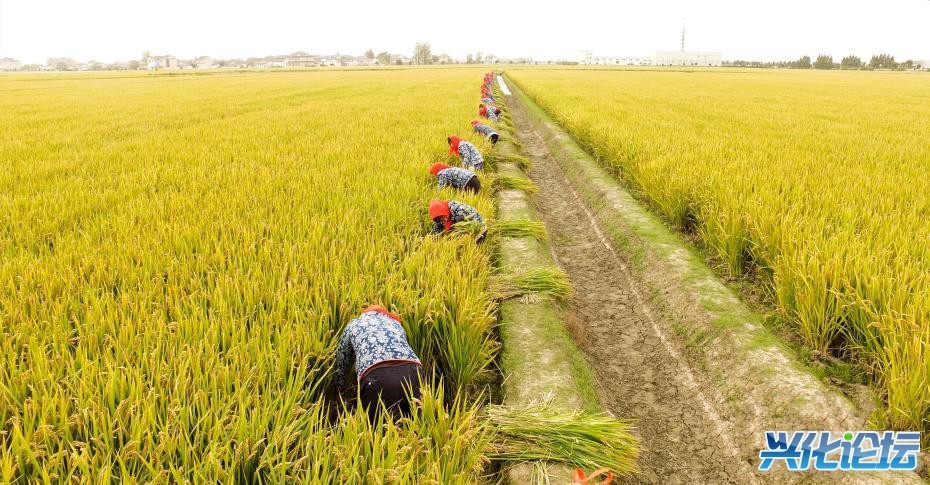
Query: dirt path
[(639, 368)]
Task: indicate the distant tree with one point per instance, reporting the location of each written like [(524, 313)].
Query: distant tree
[(384, 58), (803, 63), (62, 63), (850, 62), (883, 61), (399, 62), (824, 62), (31, 67), (133, 65), (370, 54), (908, 64), (96, 66), (145, 57), (434, 59), (422, 54), (469, 59)]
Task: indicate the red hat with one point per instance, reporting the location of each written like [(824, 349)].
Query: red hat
[(454, 145), (440, 208), (437, 167), (482, 110), (381, 309), (475, 123)]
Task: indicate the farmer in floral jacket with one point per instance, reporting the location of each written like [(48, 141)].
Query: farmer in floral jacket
[(489, 112), (455, 177), (485, 130), (446, 214), (386, 368), (471, 157)]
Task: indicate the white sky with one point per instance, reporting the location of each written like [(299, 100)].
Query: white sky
[(110, 30)]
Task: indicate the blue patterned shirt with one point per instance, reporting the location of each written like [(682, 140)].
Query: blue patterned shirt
[(471, 157), (459, 212), (371, 338), (485, 130), (454, 177)]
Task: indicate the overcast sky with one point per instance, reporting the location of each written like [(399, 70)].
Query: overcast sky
[(110, 30)]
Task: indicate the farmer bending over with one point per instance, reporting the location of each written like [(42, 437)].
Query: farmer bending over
[(386, 367), (485, 130), (458, 178), (471, 157), (446, 214), (489, 112)]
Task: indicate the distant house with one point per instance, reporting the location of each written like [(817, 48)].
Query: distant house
[(302, 59), (161, 62), (204, 62), (396, 59), (331, 61), (924, 64), (272, 61), (364, 61), (10, 64)]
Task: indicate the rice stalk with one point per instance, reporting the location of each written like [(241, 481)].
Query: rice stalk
[(549, 281), (522, 184), (538, 432), (520, 228)]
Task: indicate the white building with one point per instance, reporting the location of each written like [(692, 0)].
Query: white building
[(204, 62), (161, 62), (924, 64), (9, 64), (689, 58), (271, 62), (588, 58), (302, 59)]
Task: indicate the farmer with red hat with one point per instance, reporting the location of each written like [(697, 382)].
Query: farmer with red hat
[(471, 157), (489, 112), (455, 177), (446, 214), (387, 369), (485, 130)]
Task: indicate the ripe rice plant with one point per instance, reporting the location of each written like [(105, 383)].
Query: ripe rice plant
[(815, 181), (180, 253)]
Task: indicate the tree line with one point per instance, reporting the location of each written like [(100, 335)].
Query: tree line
[(824, 61)]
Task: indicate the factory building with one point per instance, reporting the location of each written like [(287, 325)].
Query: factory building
[(688, 58), (587, 58)]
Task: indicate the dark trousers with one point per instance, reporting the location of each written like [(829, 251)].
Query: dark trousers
[(391, 386), (473, 185)]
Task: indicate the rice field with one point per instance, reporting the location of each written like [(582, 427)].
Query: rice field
[(813, 183), (180, 253)]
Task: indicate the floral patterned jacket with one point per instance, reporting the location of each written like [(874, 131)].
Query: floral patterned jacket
[(369, 339), (454, 177), (485, 130), (459, 212), (471, 157)]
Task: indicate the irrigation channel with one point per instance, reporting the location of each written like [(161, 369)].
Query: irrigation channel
[(694, 427)]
